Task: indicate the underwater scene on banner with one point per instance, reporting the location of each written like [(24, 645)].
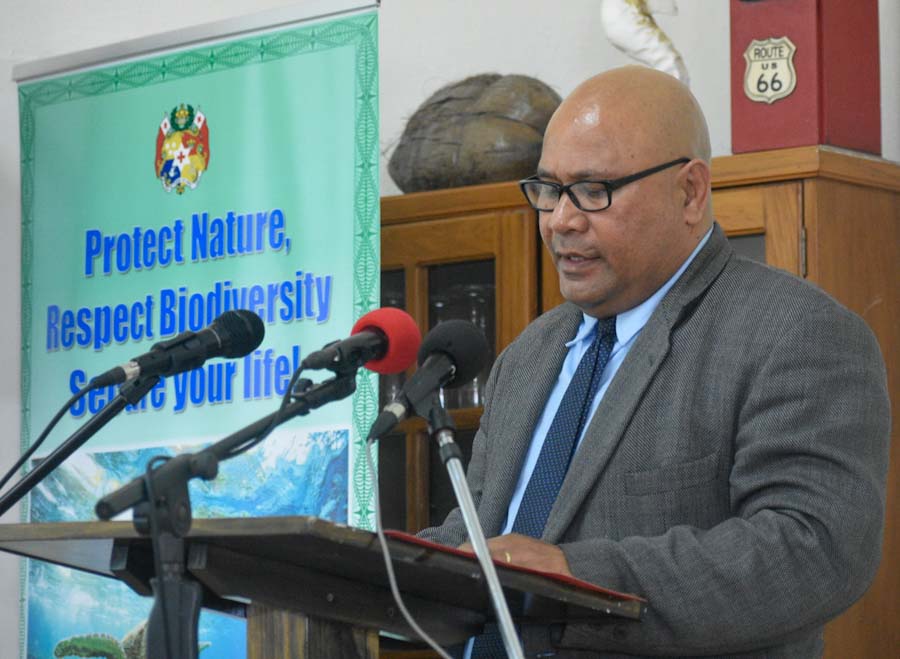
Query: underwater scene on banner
[(76, 614)]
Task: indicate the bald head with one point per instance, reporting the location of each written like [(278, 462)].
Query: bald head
[(652, 110), (645, 130)]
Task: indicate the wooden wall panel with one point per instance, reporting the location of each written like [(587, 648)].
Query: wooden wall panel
[(854, 254)]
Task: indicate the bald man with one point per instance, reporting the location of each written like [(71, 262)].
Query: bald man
[(723, 425)]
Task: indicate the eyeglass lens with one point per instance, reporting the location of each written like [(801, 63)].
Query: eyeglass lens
[(589, 195)]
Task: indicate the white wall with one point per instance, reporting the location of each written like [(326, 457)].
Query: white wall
[(424, 45)]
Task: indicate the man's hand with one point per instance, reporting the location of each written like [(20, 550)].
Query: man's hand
[(525, 551)]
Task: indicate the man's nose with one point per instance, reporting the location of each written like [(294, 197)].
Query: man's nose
[(566, 216)]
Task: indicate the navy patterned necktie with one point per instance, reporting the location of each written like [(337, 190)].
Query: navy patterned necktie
[(556, 454), (562, 438)]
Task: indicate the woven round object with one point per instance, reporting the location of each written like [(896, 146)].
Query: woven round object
[(483, 129)]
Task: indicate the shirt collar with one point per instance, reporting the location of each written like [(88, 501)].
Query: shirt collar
[(629, 323)]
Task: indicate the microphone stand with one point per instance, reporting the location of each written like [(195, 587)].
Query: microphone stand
[(130, 393), (442, 429), (162, 509)]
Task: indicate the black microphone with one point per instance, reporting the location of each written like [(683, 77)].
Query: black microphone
[(233, 334), (355, 350), (451, 354)]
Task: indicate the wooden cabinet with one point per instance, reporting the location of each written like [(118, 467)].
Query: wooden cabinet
[(435, 244), (821, 213)]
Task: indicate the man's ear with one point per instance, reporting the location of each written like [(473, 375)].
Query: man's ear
[(694, 179)]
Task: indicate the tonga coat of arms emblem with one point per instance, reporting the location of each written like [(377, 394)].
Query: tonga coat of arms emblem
[(182, 148)]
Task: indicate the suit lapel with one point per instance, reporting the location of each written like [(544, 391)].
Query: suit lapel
[(608, 425), (649, 351), (536, 374)]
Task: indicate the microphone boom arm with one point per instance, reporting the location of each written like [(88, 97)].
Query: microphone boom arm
[(204, 464)]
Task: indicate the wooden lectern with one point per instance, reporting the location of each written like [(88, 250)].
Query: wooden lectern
[(310, 588)]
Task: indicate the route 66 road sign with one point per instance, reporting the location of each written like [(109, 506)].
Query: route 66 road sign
[(770, 71)]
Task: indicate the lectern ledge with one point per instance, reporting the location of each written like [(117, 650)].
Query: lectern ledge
[(311, 588)]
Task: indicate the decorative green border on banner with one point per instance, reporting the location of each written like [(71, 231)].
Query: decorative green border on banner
[(361, 32)]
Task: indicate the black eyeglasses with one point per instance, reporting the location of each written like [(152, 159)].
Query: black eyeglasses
[(588, 196)]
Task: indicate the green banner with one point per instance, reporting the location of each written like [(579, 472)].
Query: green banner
[(156, 194)]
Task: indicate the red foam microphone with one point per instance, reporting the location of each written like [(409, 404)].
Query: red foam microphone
[(385, 341), (402, 337)]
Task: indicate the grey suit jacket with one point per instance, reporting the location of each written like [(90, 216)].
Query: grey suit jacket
[(734, 473)]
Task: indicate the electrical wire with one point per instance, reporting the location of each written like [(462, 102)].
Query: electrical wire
[(276, 420), (37, 443), (386, 554)]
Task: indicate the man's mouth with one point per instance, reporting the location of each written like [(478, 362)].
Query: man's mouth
[(573, 258)]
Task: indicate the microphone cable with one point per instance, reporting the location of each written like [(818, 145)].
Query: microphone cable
[(277, 420), (40, 440), (386, 554)]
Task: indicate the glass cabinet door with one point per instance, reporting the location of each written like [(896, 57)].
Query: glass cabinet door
[(465, 291), (763, 222), (465, 253), (393, 294)]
